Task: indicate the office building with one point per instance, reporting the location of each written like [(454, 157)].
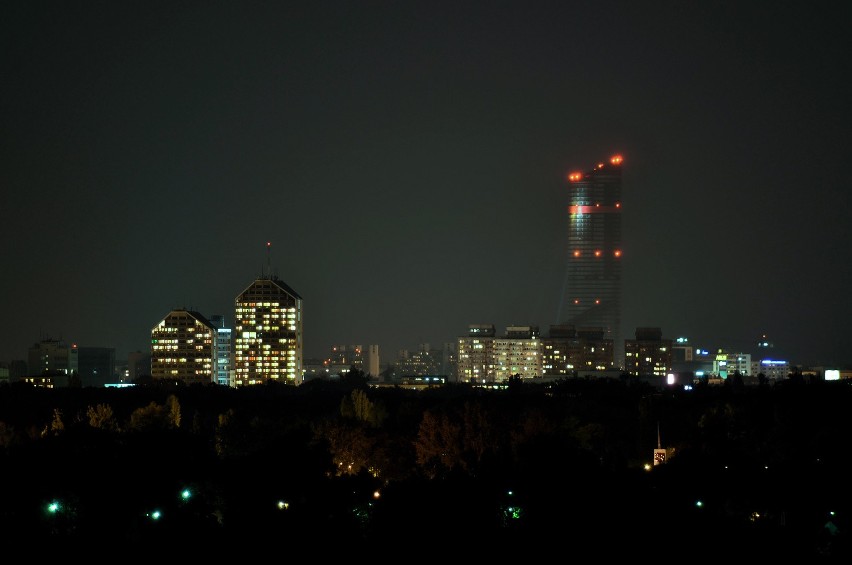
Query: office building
[(349, 356), (773, 370), (727, 364), (517, 354), (372, 368), (267, 340), (593, 280), (138, 365), (183, 348), (475, 354), (224, 371), (649, 355), (96, 366), (682, 351), (51, 363), (449, 366), (570, 351), (424, 361)]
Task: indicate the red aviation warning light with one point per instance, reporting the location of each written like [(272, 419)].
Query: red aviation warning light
[(576, 253), (614, 160), (617, 253)]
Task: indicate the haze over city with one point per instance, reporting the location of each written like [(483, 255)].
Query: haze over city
[(408, 161)]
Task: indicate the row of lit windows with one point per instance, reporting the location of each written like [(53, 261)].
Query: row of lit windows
[(254, 306)]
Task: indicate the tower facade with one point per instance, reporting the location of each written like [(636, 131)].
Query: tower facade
[(372, 365), (566, 351), (223, 350), (183, 348), (475, 354), (96, 365), (592, 297), (267, 341), (649, 354), (53, 356), (517, 353)]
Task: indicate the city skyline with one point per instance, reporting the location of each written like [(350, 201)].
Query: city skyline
[(409, 162)]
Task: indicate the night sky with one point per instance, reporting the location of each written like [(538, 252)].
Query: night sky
[(407, 162)]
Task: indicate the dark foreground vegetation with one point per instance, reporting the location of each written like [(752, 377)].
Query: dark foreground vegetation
[(339, 469)]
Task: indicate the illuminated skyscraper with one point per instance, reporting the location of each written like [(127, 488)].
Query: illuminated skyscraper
[(267, 341), (223, 350), (592, 294), (183, 348)]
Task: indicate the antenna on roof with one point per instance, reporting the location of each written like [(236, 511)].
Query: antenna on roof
[(268, 259)]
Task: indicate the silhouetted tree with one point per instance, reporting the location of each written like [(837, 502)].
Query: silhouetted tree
[(56, 425), (101, 417), (156, 416), (358, 406)]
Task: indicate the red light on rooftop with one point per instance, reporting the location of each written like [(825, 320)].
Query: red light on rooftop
[(576, 253), (617, 253), (616, 159), (576, 301), (597, 252), (574, 177), (597, 300), (600, 166)]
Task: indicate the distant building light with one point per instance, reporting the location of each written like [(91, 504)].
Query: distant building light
[(832, 375)]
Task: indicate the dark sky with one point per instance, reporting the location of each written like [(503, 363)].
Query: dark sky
[(407, 161)]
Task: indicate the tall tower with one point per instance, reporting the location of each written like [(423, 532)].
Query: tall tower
[(592, 293), (183, 348), (267, 341), (223, 350)]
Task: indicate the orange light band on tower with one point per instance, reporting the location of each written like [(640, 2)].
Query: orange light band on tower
[(597, 209)]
